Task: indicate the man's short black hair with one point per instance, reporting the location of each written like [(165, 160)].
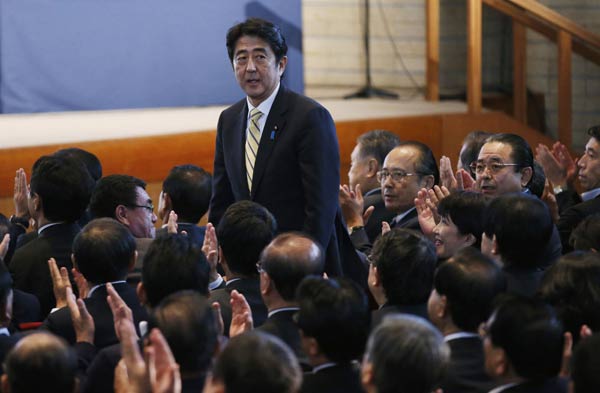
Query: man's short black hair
[(104, 251), (470, 281), (472, 143), (405, 261), (407, 354), (538, 180), (190, 189), (336, 314), (243, 232), (586, 235), (41, 362), (64, 186), (256, 27), (530, 334), (187, 321), (427, 164), (523, 227), (173, 263), (572, 287), (465, 209), (594, 132), (377, 144), (112, 191), (522, 155), (6, 283), (257, 362), (91, 162)]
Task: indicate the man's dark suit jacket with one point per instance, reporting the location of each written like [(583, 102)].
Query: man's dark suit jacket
[(296, 173), (194, 232), (26, 308), (377, 316), (551, 385), (380, 214), (29, 265), (341, 378), (466, 372), (571, 217), (361, 241), (250, 288), (59, 322), (281, 324)]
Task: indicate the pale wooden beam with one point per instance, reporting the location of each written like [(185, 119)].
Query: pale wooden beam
[(565, 128), (519, 72), (433, 50), (474, 32)]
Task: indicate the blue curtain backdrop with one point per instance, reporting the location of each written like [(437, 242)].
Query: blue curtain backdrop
[(61, 55)]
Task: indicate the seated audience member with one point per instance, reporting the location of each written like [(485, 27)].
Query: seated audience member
[(365, 161), (186, 191), (244, 231), (523, 345), (586, 235), (60, 190), (463, 291), (7, 340), (461, 216), (572, 287), (334, 318), (469, 150), (517, 229), (401, 273), (255, 362), (40, 362), (103, 252), (585, 365), (404, 354)]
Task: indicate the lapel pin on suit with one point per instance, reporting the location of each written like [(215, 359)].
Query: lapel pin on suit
[(273, 133)]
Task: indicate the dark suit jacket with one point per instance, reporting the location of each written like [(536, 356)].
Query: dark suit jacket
[(194, 232), (551, 385), (380, 214), (296, 173), (29, 265), (572, 216), (523, 281), (341, 378), (377, 316), (282, 325), (250, 288), (466, 373), (26, 308), (59, 322)]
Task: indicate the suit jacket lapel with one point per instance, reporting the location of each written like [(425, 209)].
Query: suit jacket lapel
[(238, 151)]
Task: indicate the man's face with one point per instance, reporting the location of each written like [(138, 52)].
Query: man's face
[(256, 69), (359, 170), (399, 196), (589, 165), (505, 180), (141, 218)]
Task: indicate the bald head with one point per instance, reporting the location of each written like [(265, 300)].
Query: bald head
[(44, 356), (288, 259)]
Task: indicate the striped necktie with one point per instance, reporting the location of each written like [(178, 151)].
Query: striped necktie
[(252, 144)]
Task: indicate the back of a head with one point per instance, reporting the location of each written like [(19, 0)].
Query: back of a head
[(572, 287), (64, 186), (91, 162), (41, 362), (465, 209), (189, 187), (187, 321), (4, 225), (336, 314), (538, 180), (112, 191), (173, 263), (470, 281), (257, 362), (288, 259), (407, 354), (531, 335), (405, 261), (585, 365), (377, 144), (427, 164), (586, 235), (470, 148), (522, 225), (244, 231), (104, 250)]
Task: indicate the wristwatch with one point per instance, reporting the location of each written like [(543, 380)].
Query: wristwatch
[(19, 221)]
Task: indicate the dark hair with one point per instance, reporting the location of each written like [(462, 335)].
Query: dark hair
[(594, 132), (4, 226), (91, 162), (572, 287), (408, 354), (6, 283), (336, 314), (523, 227), (585, 365), (465, 209), (405, 260), (472, 144), (377, 144), (530, 334), (427, 164), (256, 27), (288, 259), (243, 232), (104, 250), (586, 235), (521, 154), (112, 191), (538, 180), (187, 321), (173, 263), (257, 362), (190, 189), (41, 362), (64, 186), (470, 281)]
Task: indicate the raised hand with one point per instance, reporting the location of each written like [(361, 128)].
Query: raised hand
[(425, 213), (21, 190), (120, 310), (83, 323), (447, 178), (60, 283), (352, 204), (241, 315), (210, 248), (172, 222)]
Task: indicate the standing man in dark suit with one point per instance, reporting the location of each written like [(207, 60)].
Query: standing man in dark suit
[(276, 147)]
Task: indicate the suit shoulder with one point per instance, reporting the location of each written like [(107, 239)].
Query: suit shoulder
[(234, 109)]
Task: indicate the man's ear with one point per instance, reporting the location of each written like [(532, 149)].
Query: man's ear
[(133, 261), (526, 175), (36, 202), (470, 239), (5, 384), (376, 277), (211, 385), (281, 65), (498, 362), (266, 284), (367, 375), (494, 245), (442, 311), (140, 291), (427, 181), (373, 167), (312, 346), (74, 262), (121, 215), (165, 205)]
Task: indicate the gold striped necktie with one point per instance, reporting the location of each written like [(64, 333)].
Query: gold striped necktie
[(252, 141)]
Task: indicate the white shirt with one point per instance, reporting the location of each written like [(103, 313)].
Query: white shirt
[(264, 107), (400, 216), (92, 289), (271, 313), (456, 336), (591, 194), (48, 226), (503, 387)]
